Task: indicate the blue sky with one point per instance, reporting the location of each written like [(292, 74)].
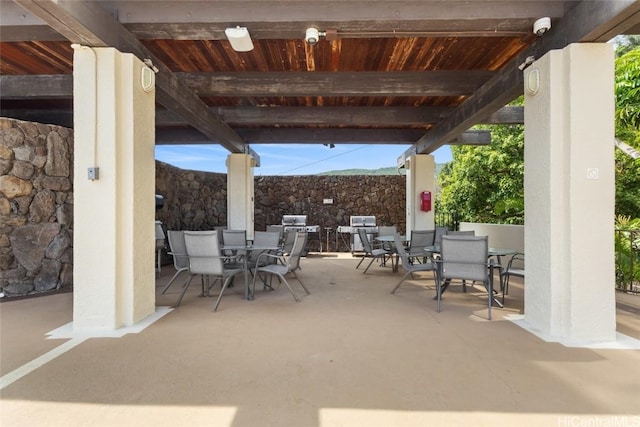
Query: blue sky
[(291, 159)]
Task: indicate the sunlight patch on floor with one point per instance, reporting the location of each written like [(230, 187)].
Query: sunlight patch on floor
[(331, 417), (22, 412)]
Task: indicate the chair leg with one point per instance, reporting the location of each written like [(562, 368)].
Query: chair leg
[(184, 290), (400, 282), (370, 262), (490, 295), (438, 290), (361, 259), (289, 286), (175, 276), (225, 284), (300, 281)]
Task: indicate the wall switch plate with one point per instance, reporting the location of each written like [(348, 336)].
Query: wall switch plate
[(93, 173)]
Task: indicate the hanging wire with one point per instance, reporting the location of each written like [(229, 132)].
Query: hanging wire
[(325, 159)]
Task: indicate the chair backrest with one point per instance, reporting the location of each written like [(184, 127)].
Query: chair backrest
[(440, 231), (159, 235), (287, 244), (234, 237), (402, 253), (364, 238), (204, 254), (464, 257), (178, 249), (387, 230), (420, 239), (516, 261), (267, 239), (299, 242), (278, 228), (219, 229), (461, 233)]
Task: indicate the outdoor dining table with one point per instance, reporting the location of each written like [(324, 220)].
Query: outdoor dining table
[(246, 250), (493, 252)]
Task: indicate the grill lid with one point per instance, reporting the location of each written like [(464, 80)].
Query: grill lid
[(362, 221), (294, 220)]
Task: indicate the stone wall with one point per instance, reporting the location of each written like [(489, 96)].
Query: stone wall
[(36, 207), (197, 200), (36, 204)]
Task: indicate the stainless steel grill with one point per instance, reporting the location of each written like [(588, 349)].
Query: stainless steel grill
[(299, 223), (356, 222)]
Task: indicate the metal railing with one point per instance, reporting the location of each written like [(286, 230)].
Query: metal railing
[(448, 219), (627, 256)]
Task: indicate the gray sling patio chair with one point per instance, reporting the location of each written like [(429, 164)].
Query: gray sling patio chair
[(234, 238), (263, 239), (178, 251), (515, 267), (408, 267), (464, 258), (420, 239), (440, 231), (370, 252), (287, 241), (288, 264), (160, 245), (206, 260)]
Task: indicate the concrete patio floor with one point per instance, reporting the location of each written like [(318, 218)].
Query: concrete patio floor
[(349, 354)]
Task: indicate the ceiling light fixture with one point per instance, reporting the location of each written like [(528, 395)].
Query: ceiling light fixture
[(239, 38)]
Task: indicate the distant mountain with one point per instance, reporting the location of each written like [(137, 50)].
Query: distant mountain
[(381, 171)]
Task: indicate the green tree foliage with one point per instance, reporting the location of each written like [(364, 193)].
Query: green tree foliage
[(485, 184), (627, 86)]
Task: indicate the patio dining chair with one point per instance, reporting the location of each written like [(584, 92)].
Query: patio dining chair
[(178, 251), (420, 239), (263, 239), (288, 264), (441, 230), (409, 267), (369, 252), (206, 260), (515, 267), (464, 258), (160, 245), (234, 238)]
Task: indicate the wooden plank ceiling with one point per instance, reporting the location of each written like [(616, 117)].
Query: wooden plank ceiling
[(383, 71)]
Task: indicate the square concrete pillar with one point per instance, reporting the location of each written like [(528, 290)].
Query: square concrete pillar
[(114, 212), (569, 194), (240, 193), (420, 177)]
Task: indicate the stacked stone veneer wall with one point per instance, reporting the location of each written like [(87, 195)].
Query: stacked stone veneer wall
[(197, 200), (36, 203), (36, 207)]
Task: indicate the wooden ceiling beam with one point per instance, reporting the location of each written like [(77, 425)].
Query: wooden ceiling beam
[(85, 22), (287, 19), (291, 116), (397, 83), (251, 84), (318, 136)]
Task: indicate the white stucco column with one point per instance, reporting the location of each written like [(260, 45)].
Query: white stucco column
[(240, 193), (114, 121), (420, 177), (569, 194)]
